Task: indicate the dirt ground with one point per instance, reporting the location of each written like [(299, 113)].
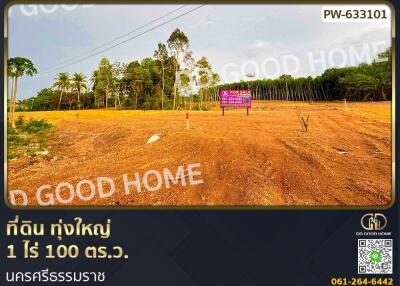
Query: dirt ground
[(264, 159)]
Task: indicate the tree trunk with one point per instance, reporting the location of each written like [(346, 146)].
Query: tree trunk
[(162, 95), (191, 96), (382, 92), (287, 91), (175, 85), (59, 101), (323, 92), (79, 103), (13, 102), (95, 99), (176, 79), (201, 99), (106, 96), (11, 99)]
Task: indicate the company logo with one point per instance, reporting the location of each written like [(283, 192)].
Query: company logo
[(373, 221)]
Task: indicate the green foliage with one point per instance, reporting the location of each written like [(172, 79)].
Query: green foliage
[(63, 81), (35, 126), (146, 84), (17, 67), (161, 54), (178, 42), (43, 100), (363, 82), (78, 84), (78, 81), (28, 138), (151, 82)]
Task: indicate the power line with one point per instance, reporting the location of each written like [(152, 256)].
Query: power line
[(122, 42), (109, 42)]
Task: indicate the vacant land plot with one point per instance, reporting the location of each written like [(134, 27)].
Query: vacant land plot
[(264, 159)]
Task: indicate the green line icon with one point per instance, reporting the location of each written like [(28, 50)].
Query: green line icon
[(375, 256)]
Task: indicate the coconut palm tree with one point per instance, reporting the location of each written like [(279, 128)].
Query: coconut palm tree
[(17, 67), (78, 84), (62, 84)]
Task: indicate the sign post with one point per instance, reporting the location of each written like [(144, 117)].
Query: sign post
[(235, 99)]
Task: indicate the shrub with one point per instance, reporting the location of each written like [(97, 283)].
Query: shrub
[(28, 138), (17, 139), (36, 125)]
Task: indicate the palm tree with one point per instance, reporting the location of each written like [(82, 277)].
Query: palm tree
[(17, 67), (79, 83), (62, 84)]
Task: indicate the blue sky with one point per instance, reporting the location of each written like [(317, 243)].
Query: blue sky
[(237, 39)]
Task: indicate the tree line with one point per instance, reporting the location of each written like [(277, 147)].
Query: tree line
[(165, 81), (359, 83), (159, 82)]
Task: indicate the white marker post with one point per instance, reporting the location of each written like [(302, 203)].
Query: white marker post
[(345, 104)]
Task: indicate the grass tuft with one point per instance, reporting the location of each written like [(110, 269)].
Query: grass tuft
[(28, 137)]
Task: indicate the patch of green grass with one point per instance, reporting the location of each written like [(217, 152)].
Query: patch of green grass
[(28, 137), (35, 126), (18, 139)]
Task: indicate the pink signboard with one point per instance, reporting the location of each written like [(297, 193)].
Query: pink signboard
[(235, 98)]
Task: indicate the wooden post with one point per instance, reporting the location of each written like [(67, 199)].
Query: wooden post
[(187, 120), (247, 111), (223, 111)]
